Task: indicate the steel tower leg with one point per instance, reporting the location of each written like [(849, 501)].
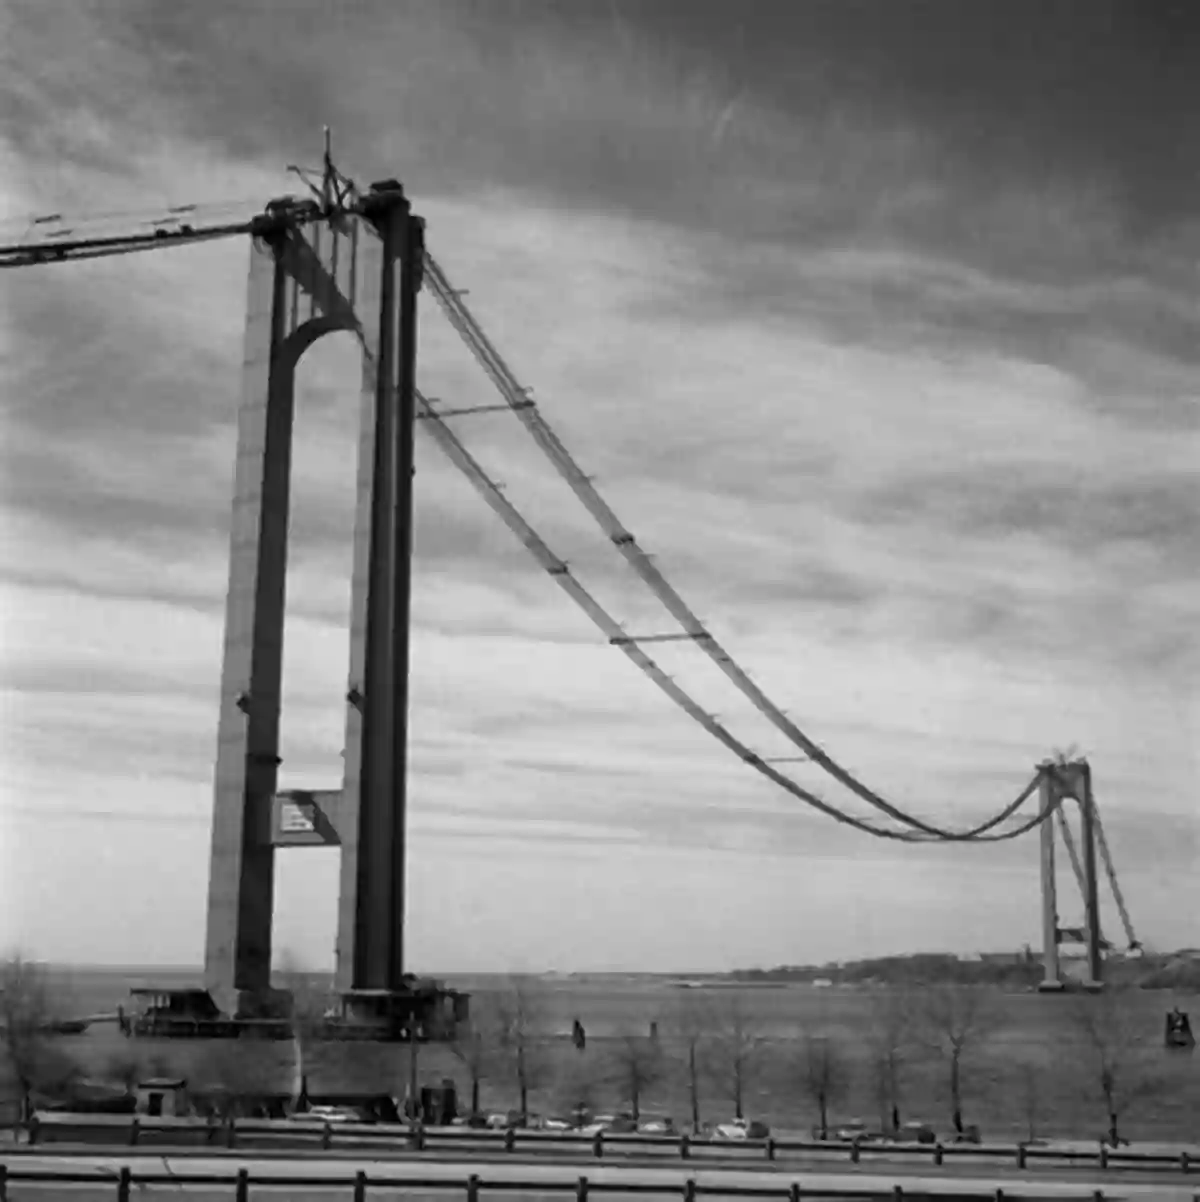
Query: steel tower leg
[(1092, 895), (237, 954), (371, 899), (1052, 979)]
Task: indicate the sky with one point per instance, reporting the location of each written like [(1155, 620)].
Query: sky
[(876, 323)]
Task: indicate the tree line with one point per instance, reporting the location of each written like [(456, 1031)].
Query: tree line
[(1019, 972), (716, 1049), (712, 1049)]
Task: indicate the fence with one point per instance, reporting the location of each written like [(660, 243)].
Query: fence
[(239, 1184), (136, 1130)]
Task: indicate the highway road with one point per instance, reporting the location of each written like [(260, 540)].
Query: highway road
[(280, 1142), (102, 1171)]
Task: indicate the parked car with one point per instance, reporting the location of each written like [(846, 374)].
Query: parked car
[(557, 1124), (470, 1120), (610, 1124), (328, 1114), (917, 1133), (857, 1132), (657, 1125), (741, 1129), (503, 1120)]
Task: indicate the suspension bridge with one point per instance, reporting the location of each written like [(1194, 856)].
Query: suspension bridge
[(340, 258)]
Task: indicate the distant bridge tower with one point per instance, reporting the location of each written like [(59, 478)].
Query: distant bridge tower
[(1061, 783), (360, 272)]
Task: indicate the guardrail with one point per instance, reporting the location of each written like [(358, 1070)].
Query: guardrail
[(138, 1130), (475, 1187)]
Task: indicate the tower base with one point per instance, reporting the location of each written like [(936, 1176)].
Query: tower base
[(424, 1010), (1071, 987), (174, 1013)]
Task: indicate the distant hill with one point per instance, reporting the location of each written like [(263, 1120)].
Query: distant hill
[(1008, 970)]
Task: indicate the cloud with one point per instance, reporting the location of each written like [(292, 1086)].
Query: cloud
[(914, 435)]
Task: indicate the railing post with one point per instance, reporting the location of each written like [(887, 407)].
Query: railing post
[(770, 1147), (689, 1190), (999, 1194), (794, 1192), (241, 1188), (230, 1133), (327, 1136), (3, 1182), (1184, 1163), (510, 1139), (34, 1124), (685, 1146), (124, 1181), (854, 1152), (598, 1145), (581, 1190), (898, 1193), (1021, 1156), (1098, 1196), (360, 1186), (135, 1129), (473, 1188), (939, 1153), (1103, 1157)]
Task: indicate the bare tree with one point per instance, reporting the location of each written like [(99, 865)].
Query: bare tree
[(1030, 1079), (309, 1002), (695, 1025), (637, 1066), (26, 1015), (238, 1074), (955, 1021), (889, 1042), (580, 1087), (128, 1067), (1111, 1031), (125, 1069), (824, 1072), (520, 1021), (475, 1045), (735, 1051)]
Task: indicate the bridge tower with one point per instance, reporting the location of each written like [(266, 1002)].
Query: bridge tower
[(357, 270), (1060, 783)]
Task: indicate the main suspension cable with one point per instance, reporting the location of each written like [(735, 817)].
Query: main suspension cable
[(279, 216), (517, 398), (457, 453)]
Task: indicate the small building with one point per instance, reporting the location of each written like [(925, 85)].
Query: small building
[(163, 1097)]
